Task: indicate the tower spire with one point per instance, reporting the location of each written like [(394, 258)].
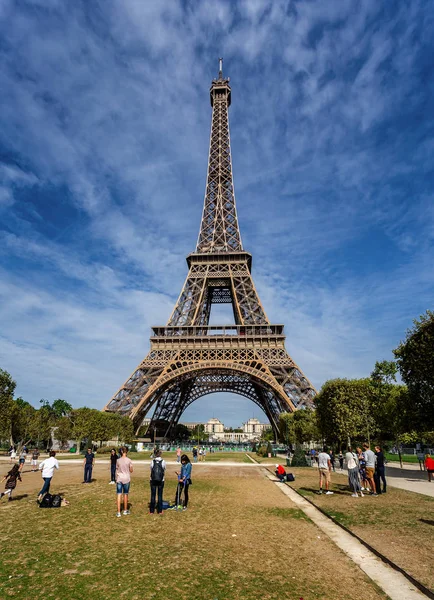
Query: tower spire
[(219, 230)]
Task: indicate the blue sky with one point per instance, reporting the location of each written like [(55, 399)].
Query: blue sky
[(104, 133)]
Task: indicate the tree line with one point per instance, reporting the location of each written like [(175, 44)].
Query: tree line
[(23, 424), (376, 407)]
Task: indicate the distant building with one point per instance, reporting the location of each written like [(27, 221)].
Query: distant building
[(252, 431), (214, 427)]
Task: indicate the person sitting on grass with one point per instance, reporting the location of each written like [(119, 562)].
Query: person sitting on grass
[(124, 468), (11, 481), (429, 465), (280, 473), (324, 468)]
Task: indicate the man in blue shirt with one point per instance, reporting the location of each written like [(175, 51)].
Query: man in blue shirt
[(88, 462)]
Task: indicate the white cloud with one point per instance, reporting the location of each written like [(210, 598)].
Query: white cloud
[(111, 114)]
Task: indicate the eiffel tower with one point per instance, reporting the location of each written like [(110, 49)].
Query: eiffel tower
[(188, 357)]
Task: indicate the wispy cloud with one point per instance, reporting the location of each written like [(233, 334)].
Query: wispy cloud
[(105, 127)]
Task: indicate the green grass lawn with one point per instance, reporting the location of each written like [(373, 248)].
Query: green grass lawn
[(171, 456), (240, 538), (408, 458), (399, 524)]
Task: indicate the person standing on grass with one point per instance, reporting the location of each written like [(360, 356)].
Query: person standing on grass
[(11, 481), (22, 459), (353, 472), (194, 455), (13, 453), (185, 478), (113, 460), (89, 461), (124, 468), (380, 471), (47, 467), (332, 459), (35, 456), (324, 468), (429, 465), (158, 470), (178, 454), (362, 469), (370, 467), (341, 460)]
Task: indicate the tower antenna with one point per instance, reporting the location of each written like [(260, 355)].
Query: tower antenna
[(220, 68)]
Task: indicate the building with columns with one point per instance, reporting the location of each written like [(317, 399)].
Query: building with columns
[(251, 431)]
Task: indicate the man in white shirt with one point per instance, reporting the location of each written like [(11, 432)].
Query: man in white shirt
[(324, 468), (47, 467)]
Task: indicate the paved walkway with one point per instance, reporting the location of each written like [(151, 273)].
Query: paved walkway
[(394, 584)]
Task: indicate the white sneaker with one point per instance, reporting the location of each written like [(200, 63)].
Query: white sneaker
[(362, 495), (118, 514), (354, 496), (328, 492), (126, 512)]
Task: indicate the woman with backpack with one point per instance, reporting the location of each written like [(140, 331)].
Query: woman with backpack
[(158, 469), (353, 472)]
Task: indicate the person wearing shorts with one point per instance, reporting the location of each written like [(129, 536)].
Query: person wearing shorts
[(370, 459), (124, 468), (35, 456), (429, 465), (324, 468), (22, 459)]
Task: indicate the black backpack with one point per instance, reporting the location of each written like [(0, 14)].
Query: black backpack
[(56, 501), (157, 471), (47, 501)]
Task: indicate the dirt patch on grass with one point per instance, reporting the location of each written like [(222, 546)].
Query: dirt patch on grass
[(240, 538), (394, 523)]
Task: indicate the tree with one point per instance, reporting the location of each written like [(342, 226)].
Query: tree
[(415, 358), (287, 429), (64, 430), (343, 410), (7, 389), (82, 425), (60, 408), (198, 433), (181, 432), (305, 426)]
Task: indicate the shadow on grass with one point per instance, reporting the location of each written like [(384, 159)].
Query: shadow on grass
[(336, 492), (20, 497), (427, 521)]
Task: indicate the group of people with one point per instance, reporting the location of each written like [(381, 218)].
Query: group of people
[(122, 474), (13, 476), (366, 471), (198, 453), (121, 468)]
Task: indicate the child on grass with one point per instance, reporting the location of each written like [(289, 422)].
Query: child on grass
[(11, 481)]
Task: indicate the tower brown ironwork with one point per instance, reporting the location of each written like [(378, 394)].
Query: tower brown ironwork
[(188, 357)]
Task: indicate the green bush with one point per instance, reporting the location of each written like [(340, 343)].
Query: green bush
[(105, 449), (262, 451), (299, 458)]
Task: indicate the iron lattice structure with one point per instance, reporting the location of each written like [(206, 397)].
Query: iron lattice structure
[(189, 358)]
